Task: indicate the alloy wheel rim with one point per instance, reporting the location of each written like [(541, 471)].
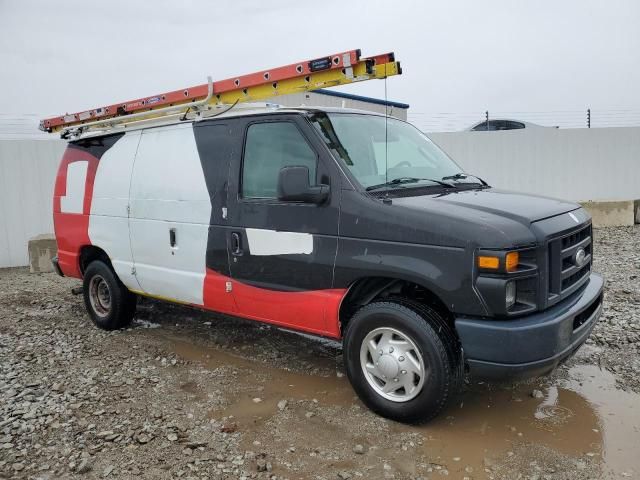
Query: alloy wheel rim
[(392, 364), (100, 296)]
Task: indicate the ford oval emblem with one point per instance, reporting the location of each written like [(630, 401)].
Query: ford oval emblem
[(579, 257)]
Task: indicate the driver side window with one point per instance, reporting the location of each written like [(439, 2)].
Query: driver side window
[(268, 148)]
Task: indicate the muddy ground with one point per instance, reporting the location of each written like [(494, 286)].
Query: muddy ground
[(184, 394)]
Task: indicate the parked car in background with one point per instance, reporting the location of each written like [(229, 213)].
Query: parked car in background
[(503, 124)]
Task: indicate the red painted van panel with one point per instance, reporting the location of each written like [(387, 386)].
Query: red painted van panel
[(314, 311), (72, 229)]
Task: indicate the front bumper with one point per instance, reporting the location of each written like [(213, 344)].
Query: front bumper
[(532, 345)]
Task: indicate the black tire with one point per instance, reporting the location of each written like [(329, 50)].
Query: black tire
[(436, 343), (120, 308)]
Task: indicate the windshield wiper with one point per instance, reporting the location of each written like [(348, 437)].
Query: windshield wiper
[(404, 180), (461, 176)]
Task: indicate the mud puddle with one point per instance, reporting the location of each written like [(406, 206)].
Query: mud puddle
[(619, 415), (489, 423), (583, 418), (265, 386)]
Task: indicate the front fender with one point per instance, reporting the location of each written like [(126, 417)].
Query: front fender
[(444, 271)]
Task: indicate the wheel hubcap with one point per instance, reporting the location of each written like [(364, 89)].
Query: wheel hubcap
[(100, 296), (392, 364)]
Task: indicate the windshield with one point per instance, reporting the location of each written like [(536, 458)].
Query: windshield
[(378, 151)]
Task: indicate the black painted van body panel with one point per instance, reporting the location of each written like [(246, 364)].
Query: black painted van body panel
[(429, 238)]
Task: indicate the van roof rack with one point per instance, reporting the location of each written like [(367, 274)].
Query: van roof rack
[(330, 71)]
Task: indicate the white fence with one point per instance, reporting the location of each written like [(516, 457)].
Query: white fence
[(27, 175), (597, 164), (581, 165)]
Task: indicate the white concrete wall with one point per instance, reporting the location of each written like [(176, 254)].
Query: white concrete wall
[(27, 174), (600, 164), (597, 164)]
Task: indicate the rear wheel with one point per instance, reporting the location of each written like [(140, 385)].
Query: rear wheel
[(109, 303), (402, 360)]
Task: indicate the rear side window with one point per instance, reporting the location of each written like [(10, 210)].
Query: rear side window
[(268, 148), (489, 126), (511, 125), (498, 125)]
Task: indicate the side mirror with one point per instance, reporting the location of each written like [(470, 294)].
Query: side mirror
[(293, 186)]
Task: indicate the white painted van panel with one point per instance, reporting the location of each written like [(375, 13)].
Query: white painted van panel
[(113, 177), (73, 201), (168, 191), (109, 222), (112, 235), (172, 210), (173, 187), (172, 273)]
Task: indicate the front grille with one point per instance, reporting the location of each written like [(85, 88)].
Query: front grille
[(565, 274), (576, 237), (574, 278)]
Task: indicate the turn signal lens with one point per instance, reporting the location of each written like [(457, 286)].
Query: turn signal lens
[(512, 260), (492, 263)]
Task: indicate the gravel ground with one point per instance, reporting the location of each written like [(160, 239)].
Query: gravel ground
[(617, 257), (184, 394)]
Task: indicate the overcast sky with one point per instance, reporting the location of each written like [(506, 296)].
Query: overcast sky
[(457, 56)]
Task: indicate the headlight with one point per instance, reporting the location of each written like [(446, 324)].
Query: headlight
[(510, 294), (507, 280)]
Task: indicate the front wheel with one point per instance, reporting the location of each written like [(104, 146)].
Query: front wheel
[(109, 303), (402, 360)]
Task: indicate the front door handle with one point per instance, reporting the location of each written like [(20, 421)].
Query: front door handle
[(236, 243), (173, 239)]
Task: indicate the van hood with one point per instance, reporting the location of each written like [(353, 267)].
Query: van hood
[(523, 208)]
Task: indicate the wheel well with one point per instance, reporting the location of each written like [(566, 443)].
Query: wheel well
[(367, 290), (89, 253)]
